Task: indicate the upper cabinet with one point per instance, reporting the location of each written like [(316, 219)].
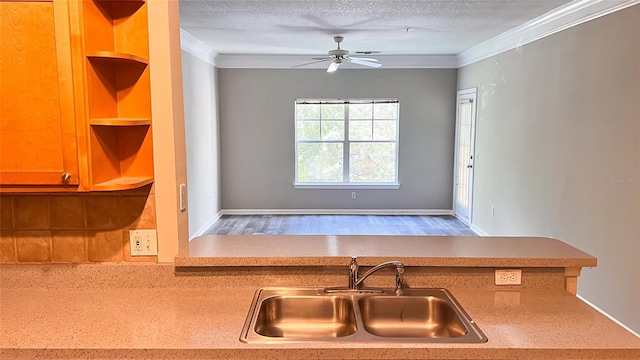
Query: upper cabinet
[(38, 142), (76, 99)]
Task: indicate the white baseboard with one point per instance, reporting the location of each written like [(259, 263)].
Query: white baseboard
[(609, 316), (336, 212), (478, 231), (206, 226)]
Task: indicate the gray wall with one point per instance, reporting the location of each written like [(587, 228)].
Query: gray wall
[(558, 143), (201, 127), (257, 146)]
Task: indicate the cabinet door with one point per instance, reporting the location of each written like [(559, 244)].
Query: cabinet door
[(37, 121)]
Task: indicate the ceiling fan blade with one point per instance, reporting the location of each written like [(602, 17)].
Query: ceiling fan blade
[(365, 62), (333, 67), (365, 59), (313, 62), (323, 58)]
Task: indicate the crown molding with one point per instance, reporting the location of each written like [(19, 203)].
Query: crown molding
[(197, 48), (288, 61), (564, 17)]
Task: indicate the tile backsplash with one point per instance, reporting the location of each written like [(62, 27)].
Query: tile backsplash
[(73, 228)]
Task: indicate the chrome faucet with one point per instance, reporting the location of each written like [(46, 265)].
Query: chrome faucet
[(355, 282)]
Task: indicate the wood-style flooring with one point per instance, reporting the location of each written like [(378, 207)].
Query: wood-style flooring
[(338, 225)]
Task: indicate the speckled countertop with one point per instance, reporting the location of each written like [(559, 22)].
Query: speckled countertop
[(189, 323), (321, 250), (196, 309)]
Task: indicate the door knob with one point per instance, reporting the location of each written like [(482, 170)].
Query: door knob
[(469, 166), (66, 177)]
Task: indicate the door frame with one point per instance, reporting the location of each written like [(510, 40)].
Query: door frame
[(470, 93)]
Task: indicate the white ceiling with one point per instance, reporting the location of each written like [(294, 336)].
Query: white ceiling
[(307, 27)]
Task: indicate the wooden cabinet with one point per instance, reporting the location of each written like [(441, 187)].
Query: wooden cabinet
[(76, 96), (38, 142)]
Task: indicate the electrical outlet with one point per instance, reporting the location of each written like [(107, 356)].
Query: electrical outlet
[(508, 277), (353, 195), (143, 242)]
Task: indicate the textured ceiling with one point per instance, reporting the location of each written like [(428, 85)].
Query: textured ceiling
[(307, 27)]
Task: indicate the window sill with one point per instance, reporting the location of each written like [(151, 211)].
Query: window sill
[(341, 186)]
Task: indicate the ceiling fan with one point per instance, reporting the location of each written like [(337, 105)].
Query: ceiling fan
[(338, 56)]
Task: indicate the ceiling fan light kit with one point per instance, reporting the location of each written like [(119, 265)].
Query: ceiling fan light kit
[(338, 56)]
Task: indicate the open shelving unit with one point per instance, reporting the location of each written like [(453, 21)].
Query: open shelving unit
[(116, 48)]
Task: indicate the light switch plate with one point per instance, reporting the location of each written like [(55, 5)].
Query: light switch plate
[(508, 277), (183, 197), (143, 242)]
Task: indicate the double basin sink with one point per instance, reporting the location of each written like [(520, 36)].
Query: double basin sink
[(315, 314)]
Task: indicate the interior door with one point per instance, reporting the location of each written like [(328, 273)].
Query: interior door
[(464, 159)]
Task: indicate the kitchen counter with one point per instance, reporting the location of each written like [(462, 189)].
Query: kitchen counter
[(434, 252), (151, 311), (336, 250), (196, 307), (188, 323)]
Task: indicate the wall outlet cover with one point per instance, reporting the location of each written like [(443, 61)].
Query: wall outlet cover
[(508, 277), (143, 242)]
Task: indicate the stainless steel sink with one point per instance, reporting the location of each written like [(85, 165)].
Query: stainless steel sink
[(313, 314), (410, 316), (299, 317)]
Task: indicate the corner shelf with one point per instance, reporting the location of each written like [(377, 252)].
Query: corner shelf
[(117, 56), (118, 26), (138, 2), (120, 121), (120, 152), (116, 48), (123, 183)]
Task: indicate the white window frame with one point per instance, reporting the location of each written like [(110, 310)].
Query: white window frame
[(345, 184)]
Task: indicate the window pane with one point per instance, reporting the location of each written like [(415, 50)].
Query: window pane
[(307, 111), (360, 111), (308, 130), (385, 111), (320, 162), (360, 130), (332, 111), (372, 162), (384, 130), (332, 130)]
